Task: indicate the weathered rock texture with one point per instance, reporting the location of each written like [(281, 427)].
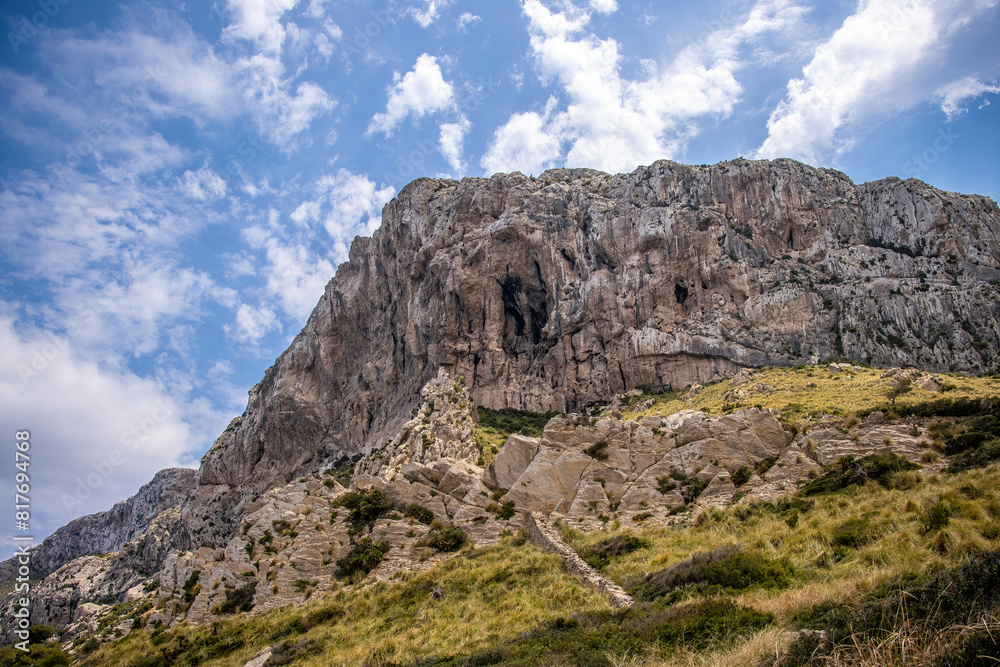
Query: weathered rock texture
[(106, 532), (549, 294), (556, 292)]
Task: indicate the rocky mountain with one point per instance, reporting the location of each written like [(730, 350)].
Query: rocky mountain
[(559, 294), (107, 532), (556, 292)]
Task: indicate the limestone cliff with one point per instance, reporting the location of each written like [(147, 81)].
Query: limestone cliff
[(107, 532), (555, 292)]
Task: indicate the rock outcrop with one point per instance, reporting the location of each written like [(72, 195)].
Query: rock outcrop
[(107, 532), (547, 294), (556, 292)]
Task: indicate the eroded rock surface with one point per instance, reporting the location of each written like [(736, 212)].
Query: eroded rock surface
[(555, 292)]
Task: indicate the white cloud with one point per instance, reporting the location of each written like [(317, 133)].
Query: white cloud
[(316, 8), (523, 143), (203, 185), (429, 12), (422, 90), (253, 323), (296, 277), (353, 207), (954, 94), (883, 59), (283, 116), (452, 138), (467, 19), (259, 20), (97, 432), (604, 6), (614, 123)]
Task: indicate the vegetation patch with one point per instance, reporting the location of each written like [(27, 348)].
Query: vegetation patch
[(600, 554), (364, 556), (598, 451), (39, 654), (343, 470), (887, 621), (729, 569), (238, 600), (364, 507), (420, 514), (444, 537), (849, 470)]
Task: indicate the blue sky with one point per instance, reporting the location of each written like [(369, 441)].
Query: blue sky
[(178, 181)]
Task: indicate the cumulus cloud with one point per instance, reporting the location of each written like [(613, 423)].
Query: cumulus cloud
[(259, 20), (604, 6), (422, 90), (452, 139), (253, 323), (296, 277), (97, 432), (615, 123), (885, 58)]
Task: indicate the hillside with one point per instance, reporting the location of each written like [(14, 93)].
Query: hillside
[(768, 567), (714, 397)]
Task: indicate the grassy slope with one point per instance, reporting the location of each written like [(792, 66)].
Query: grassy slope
[(834, 393), (493, 596)]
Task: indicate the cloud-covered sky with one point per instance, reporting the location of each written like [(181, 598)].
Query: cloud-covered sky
[(179, 180)]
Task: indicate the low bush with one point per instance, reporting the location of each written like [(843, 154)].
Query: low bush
[(515, 421), (896, 611), (364, 556), (728, 569), (741, 476), (444, 537), (597, 450), (600, 554), (853, 533), (419, 513), (238, 600), (849, 470), (364, 507)]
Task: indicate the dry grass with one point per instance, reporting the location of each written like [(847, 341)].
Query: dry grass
[(834, 393), (490, 596)]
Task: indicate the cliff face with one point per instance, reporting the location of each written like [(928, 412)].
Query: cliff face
[(556, 292), (107, 532)]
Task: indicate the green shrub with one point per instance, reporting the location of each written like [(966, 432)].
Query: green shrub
[(364, 507), (444, 537), (765, 464), (937, 516), (420, 513), (597, 450), (925, 604), (191, 587), (853, 533), (741, 476), (288, 652), (727, 568), (511, 421), (665, 485), (364, 556), (239, 600), (848, 471), (600, 554)]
